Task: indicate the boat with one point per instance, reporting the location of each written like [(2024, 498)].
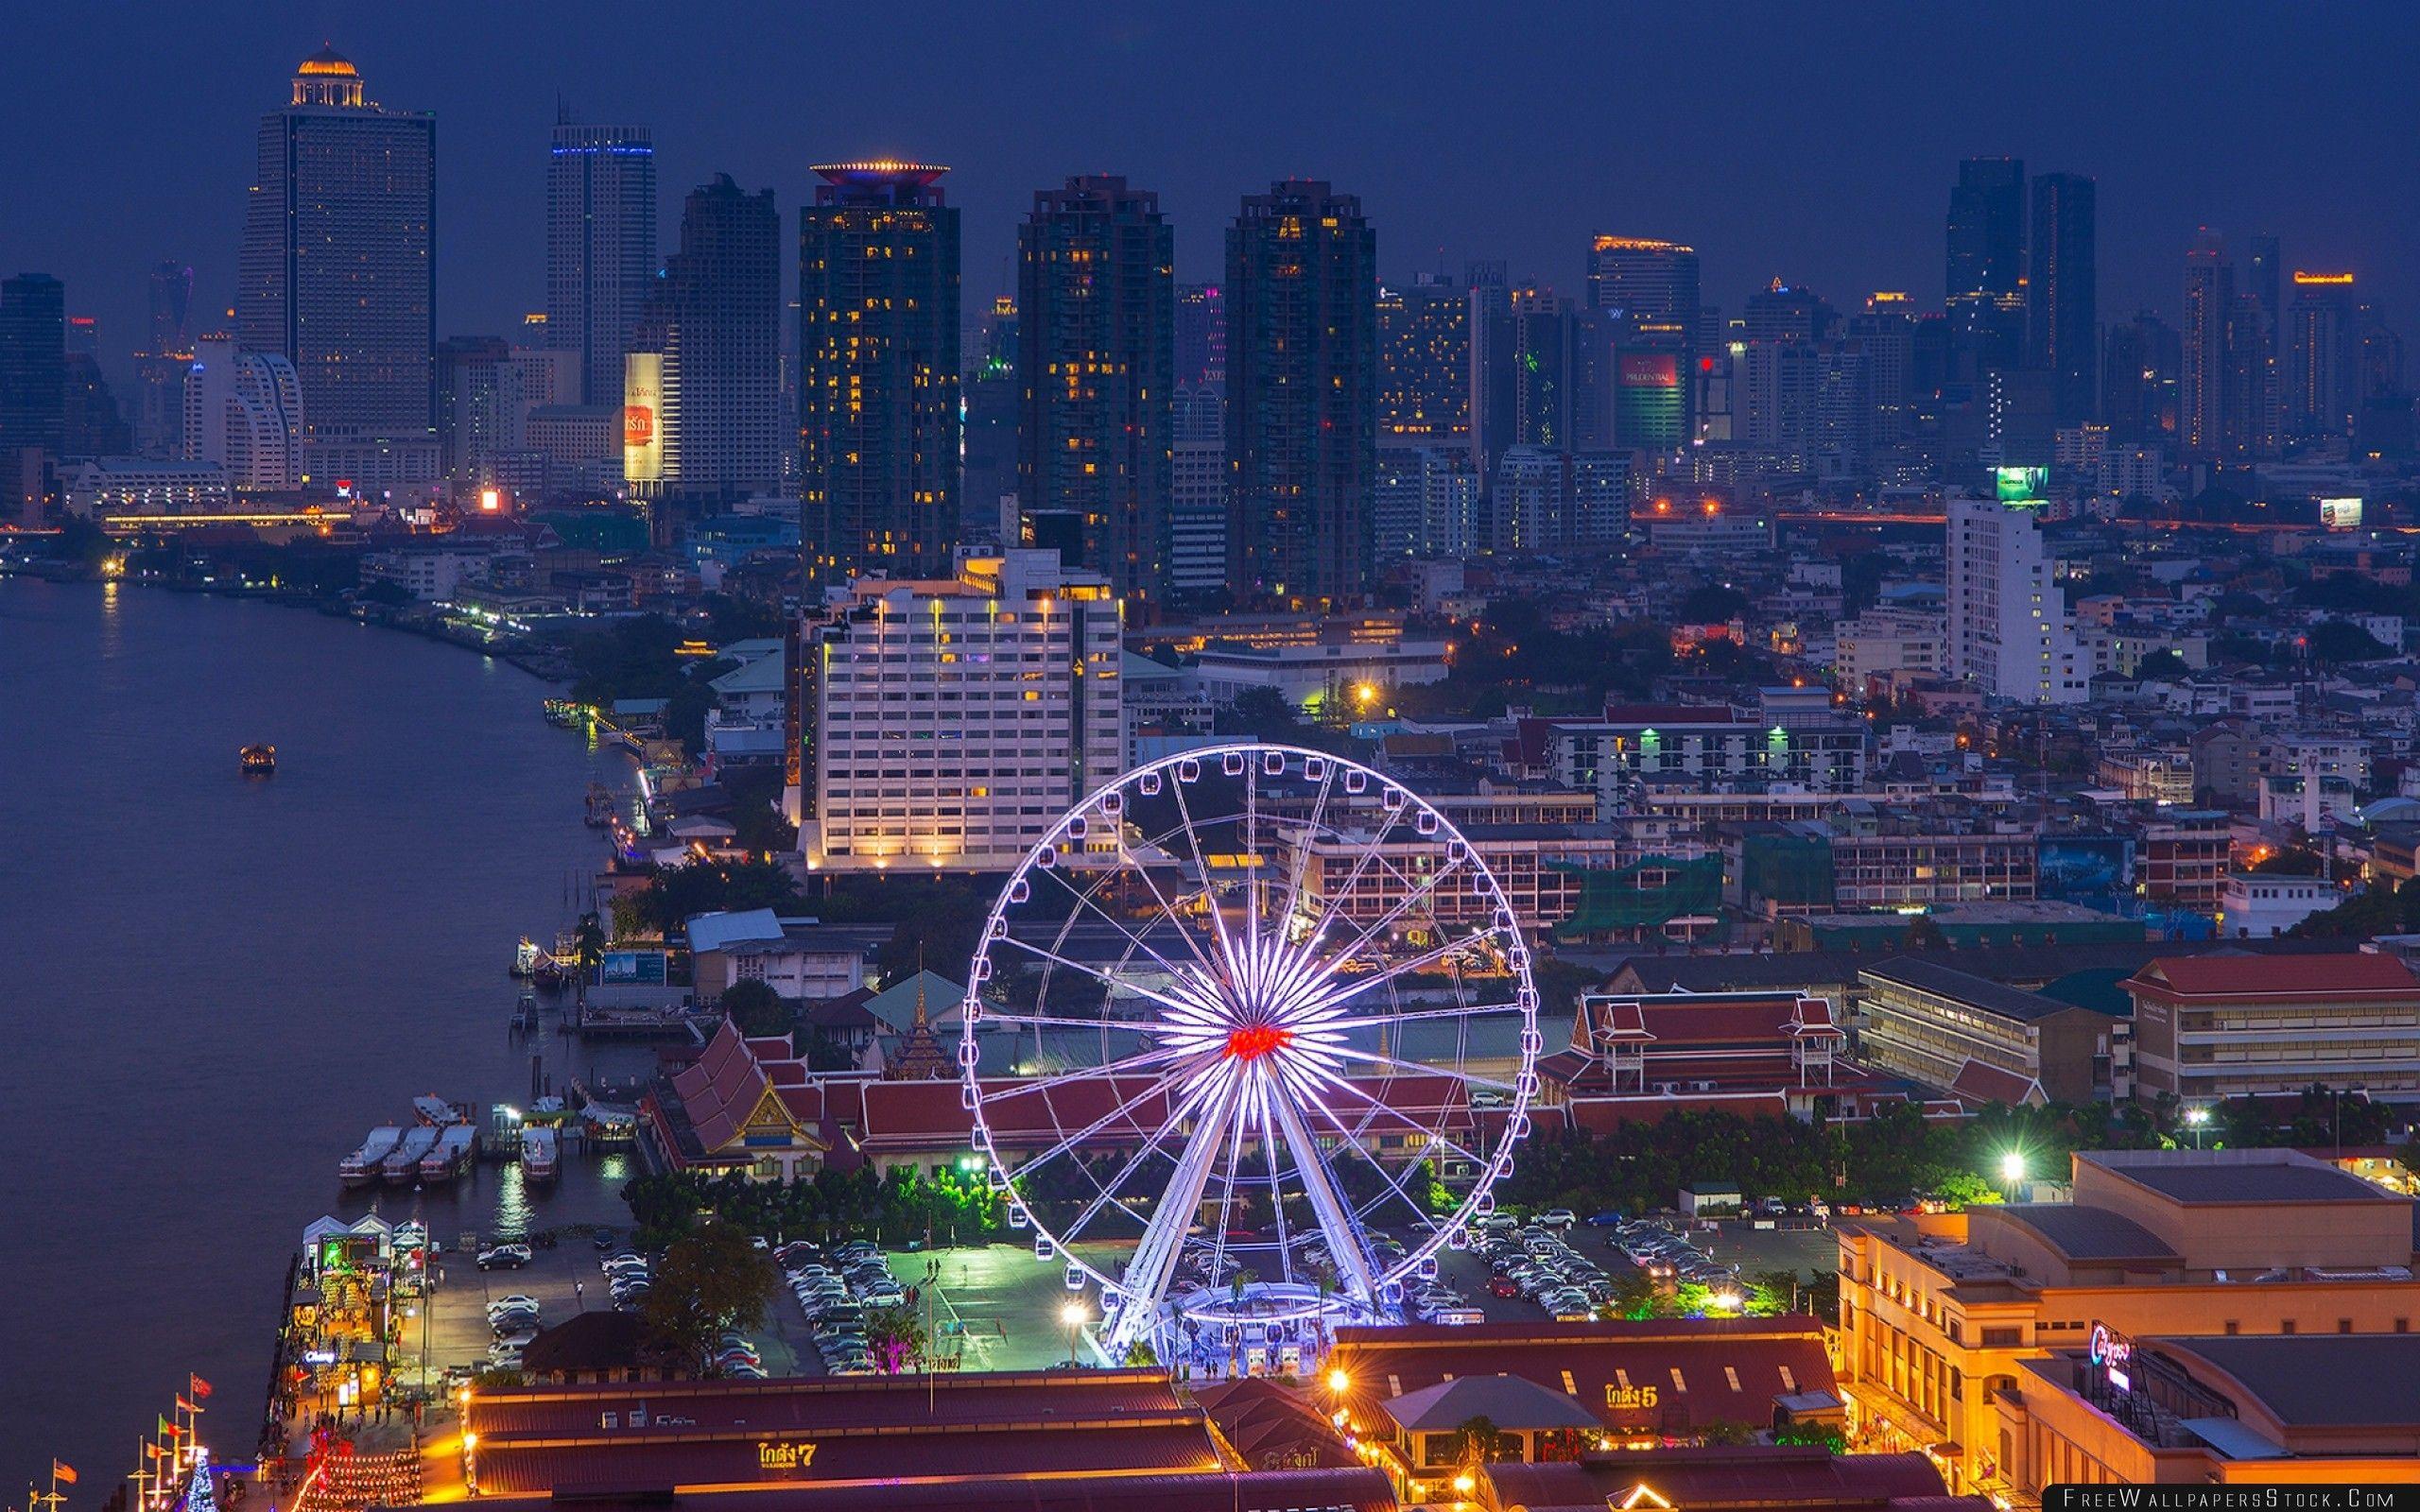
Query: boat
[(436, 1111), (456, 1145), (401, 1165), (539, 1153), (257, 760), (360, 1168), (600, 807)]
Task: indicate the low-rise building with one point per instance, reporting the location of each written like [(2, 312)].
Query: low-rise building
[(2208, 1027), (799, 958), (1986, 1042), (1633, 1058), (2265, 905), (1939, 1316)]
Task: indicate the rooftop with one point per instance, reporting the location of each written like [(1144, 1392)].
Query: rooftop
[(2082, 1233), (2293, 977), (2313, 1380), (1513, 1403), (2228, 1176), (1964, 986)]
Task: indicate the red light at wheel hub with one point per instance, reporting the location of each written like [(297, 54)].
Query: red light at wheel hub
[(1256, 1040)]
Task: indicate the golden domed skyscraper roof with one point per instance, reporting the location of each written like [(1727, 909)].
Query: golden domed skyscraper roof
[(327, 77)]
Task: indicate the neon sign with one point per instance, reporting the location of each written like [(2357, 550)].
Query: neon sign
[(2112, 1355), (774, 1456)]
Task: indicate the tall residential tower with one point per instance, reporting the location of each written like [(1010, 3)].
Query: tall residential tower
[(600, 247)]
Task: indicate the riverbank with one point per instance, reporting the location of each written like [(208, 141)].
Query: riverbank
[(236, 977)]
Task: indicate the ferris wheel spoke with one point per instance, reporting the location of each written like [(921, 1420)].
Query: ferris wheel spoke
[(1167, 911), (1110, 978), (1353, 1138), (1303, 850), (1068, 1141), (1427, 888), (1380, 1020), (1369, 852), (1347, 1251), (1227, 1198), (1083, 897), (1376, 1106), (1045, 1022), (1417, 1068), (1339, 996), (1108, 1194), (1209, 893), (1146, 1274)]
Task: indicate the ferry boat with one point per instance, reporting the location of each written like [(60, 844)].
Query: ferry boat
[(436, 1111), (360, 1168), (456, 1144), (257, 760), (539, 1153), (402, 1165)]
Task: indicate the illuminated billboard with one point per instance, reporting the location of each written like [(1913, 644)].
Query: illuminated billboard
[(643, 416), (2019, 484), (1648, 410), (2341, 514)]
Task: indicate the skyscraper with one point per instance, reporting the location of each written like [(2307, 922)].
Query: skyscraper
[(2063, 295), (2264, 279), (1201, 334), (1096, 362), (2323, 389), (2138, 379), (879, 371), (339, 273), (704, 369), (244, 411), (1545, 375), (1650, 289), (159, 365), (1197, 490), (33, 392), (1986, 272), (1302, 395), (600, 247), (1424, 364), (2202, 368)]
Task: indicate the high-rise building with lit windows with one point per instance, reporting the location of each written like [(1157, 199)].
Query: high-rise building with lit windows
[(2324, 390), (1302, 395), (1650, 289), (2062, 293), (947, 723), (2010, 633), (600, 247), (339, 273), (878, 373), (1424, 364), (1096, 374), (1985, 268), (2201, 373), (1201, 334), (706, 359)]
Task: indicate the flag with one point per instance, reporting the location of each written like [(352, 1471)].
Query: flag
[(184, 1405), (201, 1388), (153, 1449), (63, 1472), (170, 1429)]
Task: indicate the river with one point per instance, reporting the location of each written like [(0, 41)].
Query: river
[(214, 985)]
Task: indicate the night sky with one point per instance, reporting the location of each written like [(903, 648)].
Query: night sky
[(1814, 142)]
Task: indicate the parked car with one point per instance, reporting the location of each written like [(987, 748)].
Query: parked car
[(504, 1257)]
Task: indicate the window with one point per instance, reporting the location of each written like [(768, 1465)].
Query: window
[(2344, 1324), (2287, 1327), (2235, 1325), (1678, 1383)]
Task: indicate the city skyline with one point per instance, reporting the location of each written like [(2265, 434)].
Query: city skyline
[(1457, 177)]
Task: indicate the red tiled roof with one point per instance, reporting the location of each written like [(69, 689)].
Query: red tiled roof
[(1359, 1488), (1761, 1477), (1980, 1082), (973, 1397), (2224, 977), (679, 1457), (1769, 1357)]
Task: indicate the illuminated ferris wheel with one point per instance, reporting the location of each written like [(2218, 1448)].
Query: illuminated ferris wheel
[(1249, 1037)]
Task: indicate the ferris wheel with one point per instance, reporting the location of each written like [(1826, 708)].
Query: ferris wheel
[(1248, 1037)]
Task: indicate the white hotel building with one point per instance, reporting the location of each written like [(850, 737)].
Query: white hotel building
[(947, 723), (2009, 630)]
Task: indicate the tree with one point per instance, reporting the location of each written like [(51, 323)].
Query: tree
[(2161, 666), (588, 949), (2343, 641), (757, 1009), (712, 1280), (1475, 1441), (895, 1339), (1727, 1434)]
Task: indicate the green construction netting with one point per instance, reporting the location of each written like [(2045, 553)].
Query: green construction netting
[(1653, 890)]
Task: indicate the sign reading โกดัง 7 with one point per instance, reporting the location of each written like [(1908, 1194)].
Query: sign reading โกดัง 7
[(776, 1454)]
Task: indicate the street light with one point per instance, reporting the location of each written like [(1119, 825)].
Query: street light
[(2012, 1173), (2197, 1118), (1073, 1315), (1338, 1383)]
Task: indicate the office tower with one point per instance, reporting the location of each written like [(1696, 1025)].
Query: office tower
[(1197, 490), (2139, 377), (33, 364), (1302, 395), (1096, 363), (1777, 386), (1783, 313), (244, 412), (1650, 289), (2062, 292), (1985, 270), (1428, 503), (879, 371), (159, 365), (487, 388), (2010, 633), (1424, 364), (1545, 375), (2252, 391), (1884, 331), (2323, 389), (339, 273), (948, 723), (600, 248), (2202, 366), (1560, 502), (988, 482), (2264, 279), (91, 422), (1200, 335), (701, 382), (1840, 440)]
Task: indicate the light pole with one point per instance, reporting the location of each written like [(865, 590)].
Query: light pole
[(2197, 1118), (2012, 1174), (1073, 1315)]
